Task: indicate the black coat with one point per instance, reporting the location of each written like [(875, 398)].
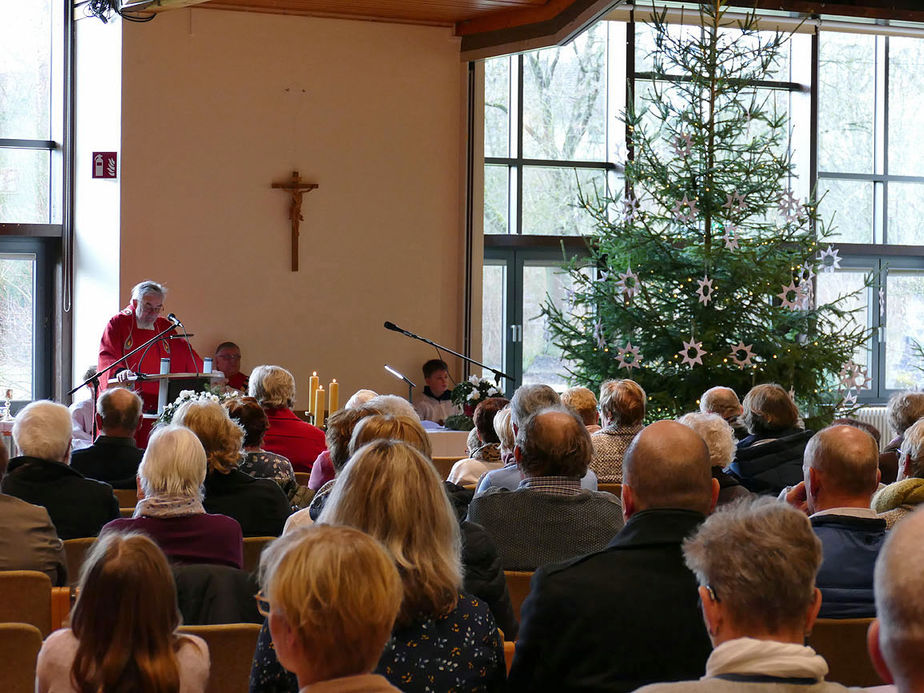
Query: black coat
[(110, 459), (78, 506), (484, 574), (259, 505), (770, 464), (616, 619)]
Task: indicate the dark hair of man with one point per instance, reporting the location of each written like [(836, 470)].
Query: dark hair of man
[(432, 366), (226, 345), (250, 415), (554, 442), (484, 418), (340, 427), (116, 416)]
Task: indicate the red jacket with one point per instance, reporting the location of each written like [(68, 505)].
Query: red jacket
[(291, 437)]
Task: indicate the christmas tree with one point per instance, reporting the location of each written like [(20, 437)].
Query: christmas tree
[(702, 271)]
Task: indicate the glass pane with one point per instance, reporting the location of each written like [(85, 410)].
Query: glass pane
[(904, 325), (906, 213), (542, 360), (493, 320), (906, 103), (25, 69), (849, 203), (497, 106), (550, 200), (832, 285), (564, 99), (496, 199), (17, 310), (24, 181), (846, 102), (645, 44)]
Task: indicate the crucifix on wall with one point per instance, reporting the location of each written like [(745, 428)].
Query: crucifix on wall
[(296, 188)]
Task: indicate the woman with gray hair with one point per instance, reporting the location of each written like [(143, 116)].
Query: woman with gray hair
[(170, 510), (756, 563), (904, 496), (298, 441), (720, 440), (904, 409)]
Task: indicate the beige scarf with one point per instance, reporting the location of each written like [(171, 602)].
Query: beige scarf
[(905, 492)]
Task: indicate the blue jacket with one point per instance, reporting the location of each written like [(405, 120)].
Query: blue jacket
[(850, 546), (768, 465)]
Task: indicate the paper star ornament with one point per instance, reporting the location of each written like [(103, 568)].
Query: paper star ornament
[(704, 292), (698, 353), (628, 283), (734, 202), (629, 208), (785, 301), (730, 237), (830, 259), (741, 354), (690, 215), (683, 145), (599, 336), (628, 356)]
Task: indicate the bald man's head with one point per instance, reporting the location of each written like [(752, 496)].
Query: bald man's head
[(899, 591), (553, 442), (846, 464), (667, 466), (120, 412)]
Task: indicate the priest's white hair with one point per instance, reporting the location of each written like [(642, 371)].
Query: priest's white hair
[(148, 286)]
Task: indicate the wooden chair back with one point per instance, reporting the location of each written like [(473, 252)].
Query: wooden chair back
[(128, 497), (253, 547), (20, 644), (62, 601), (615, 489), (842, 642), (76, 551), (25, 597), (231, 648), (509, 648), (301, 478), (126, 512), (518, 586)]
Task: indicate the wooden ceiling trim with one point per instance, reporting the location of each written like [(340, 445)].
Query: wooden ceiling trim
[(903, 10)]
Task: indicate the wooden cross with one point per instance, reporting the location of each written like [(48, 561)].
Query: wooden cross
[(296, 188)]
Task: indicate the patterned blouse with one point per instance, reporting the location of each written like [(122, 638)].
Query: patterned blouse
[(610, 444), (459, 652), (269, 465)]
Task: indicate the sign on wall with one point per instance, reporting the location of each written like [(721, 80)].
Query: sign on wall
[(105, 165)]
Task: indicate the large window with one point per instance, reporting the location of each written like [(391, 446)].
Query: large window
[(552, 132), (32, 66)]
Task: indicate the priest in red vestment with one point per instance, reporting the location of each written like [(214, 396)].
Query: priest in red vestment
[(133, 326)]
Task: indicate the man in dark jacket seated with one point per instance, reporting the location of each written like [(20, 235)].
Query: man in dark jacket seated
[(770, 458), (841, 475), (626, 616), (78, 506), (114, 457)]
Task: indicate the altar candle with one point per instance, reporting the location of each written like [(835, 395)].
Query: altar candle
[(333, 393), (313, 383), (319, 406)]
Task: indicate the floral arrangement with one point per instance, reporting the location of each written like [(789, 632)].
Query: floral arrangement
[(469, 393), (194, 396)]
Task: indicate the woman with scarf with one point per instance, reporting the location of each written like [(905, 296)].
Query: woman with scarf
[(170, 511), (895, 501)]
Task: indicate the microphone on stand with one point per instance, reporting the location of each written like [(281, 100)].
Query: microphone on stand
[(394, 328), (175, 320)]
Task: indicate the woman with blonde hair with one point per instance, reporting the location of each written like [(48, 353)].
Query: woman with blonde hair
[(443, 639), (123, 628), (330, 595), (259, 505)]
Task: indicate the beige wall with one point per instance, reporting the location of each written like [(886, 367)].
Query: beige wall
[(216, 105)]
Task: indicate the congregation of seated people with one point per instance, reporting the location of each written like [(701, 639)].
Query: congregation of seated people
[(688, 554)]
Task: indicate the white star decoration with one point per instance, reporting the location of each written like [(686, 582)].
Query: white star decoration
[(805, 296), (786, 303), (853, 376), (850, 399), (628, 363), (882, 305), (830, 259), (734, 202), (705, 290), (698, 353), (683, 145), (628, 283), (599, 337), (741, 354), (730, 237), (690, 215), (629, 208)]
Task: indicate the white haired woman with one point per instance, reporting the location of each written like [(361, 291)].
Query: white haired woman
[(899, 499), (720, 440), (296, 440), (170, 510), (757, 625)]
